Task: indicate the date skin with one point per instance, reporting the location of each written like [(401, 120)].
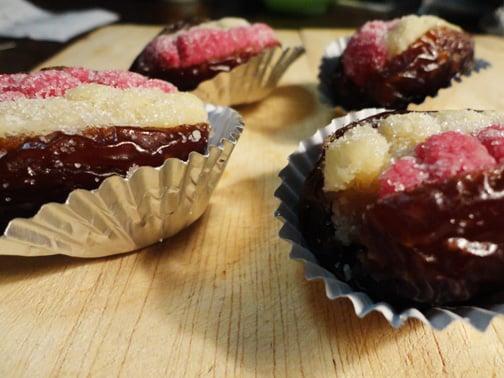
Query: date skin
[(188, 78), (440, 243), (437, 244), (428, 65), (36, 170)]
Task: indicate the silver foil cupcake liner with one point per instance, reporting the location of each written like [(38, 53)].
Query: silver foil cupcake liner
[(330, 60), (251, 81), (293, 176), (125, 214)]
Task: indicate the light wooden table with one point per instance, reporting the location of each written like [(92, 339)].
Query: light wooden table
[(222, 298)]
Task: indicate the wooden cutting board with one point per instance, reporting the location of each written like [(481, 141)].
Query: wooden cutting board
[(222, 298)]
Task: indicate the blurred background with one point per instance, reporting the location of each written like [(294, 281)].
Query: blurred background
[(477, 16)]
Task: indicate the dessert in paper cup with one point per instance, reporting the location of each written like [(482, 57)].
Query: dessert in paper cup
[(225, 62), (401, 212), (395, 63), (97, 163)]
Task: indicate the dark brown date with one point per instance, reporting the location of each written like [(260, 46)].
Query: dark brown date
[(315, 208), (42, 169), (188, 78), (428, 65), (439, 243)]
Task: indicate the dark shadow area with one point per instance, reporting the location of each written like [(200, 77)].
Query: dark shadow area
[(171, 244), (474, 16), (250, 301), (338, 321), (15, 268), (290, 113)]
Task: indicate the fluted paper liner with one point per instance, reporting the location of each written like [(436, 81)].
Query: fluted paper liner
[(293, 176), (125, 214), (251, 81), (330, 60)]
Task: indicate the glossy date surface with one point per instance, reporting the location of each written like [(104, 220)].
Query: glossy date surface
[(188, 78), (428, 65), (36, 170), (440, 243)]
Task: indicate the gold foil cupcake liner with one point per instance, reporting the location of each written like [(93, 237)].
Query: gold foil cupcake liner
[(251, 81), (301, 163), (125, 214)]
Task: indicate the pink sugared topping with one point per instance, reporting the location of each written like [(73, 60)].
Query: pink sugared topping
[(55, 82), (404, 174), (159, 84), (11, 96), (376, 42), (493, 139), (9, 81), (82, 74), (118, 79), (161, 50), (439, 158), (452, 153), (200, 45), (44, 84), (366, 51)]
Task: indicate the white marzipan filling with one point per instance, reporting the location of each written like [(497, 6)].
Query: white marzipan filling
[(362, 153), (410, 28), (94, 105), (224, 23)]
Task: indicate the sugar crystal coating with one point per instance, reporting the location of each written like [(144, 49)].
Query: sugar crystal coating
[(439, 158), (404, 174), (370, 48), (366, 52), (161, 50), (118, 79), (405, 131), (56, 82), (452, 153), (94, 105), (206, 42), (402, 134), (408, 29), (48, 83), (159, 84), (467, 121), (82, 74), (355, 160), (195, 46), (258, 37), (10, 96), (492, 138), (10, 81)]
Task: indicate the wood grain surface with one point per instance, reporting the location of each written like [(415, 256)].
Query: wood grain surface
[(222, 298)]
